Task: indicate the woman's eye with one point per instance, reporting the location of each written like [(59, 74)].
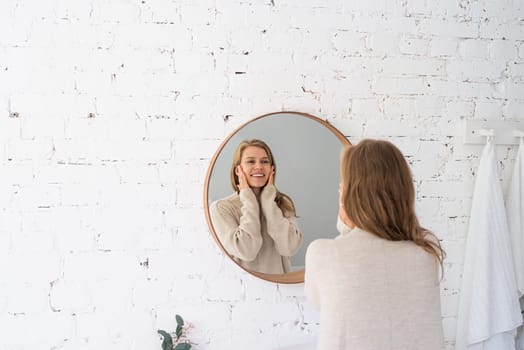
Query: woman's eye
[(265, 162), (250, 162)]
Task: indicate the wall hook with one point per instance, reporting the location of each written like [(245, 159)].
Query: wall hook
[(489, 133)]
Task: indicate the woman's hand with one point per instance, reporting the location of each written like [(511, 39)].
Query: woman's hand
[(271, 180), (242, 179)]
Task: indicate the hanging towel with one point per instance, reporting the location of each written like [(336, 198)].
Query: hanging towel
[(489, 311), (520, 335), (515, 206)]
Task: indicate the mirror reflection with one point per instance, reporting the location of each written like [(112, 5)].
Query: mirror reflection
[(257, 223), (293, 177)]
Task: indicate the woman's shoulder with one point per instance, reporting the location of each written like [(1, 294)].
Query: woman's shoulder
[(316, 253), (320, 246)]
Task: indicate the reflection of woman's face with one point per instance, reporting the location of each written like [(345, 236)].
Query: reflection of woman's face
[(256, 166)]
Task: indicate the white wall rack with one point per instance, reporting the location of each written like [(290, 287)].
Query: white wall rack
[(503, 132)]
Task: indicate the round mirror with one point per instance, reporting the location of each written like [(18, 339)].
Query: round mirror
[(306, 153)]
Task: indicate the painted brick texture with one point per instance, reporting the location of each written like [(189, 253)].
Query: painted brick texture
[(110, 112)]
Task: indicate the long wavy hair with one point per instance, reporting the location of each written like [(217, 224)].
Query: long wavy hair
[(283, 201), (378, 195)]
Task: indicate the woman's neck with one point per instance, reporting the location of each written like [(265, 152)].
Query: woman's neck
[(256, 191)]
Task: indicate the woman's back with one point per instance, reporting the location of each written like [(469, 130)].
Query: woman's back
[(374, 293)]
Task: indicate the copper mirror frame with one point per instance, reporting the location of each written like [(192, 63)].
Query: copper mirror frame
[(288, 278)]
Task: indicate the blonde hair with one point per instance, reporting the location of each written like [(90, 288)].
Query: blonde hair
[(378, 195), (283, 201)]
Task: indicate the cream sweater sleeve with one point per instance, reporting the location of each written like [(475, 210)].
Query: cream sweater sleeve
[(240, 237), (284, 231)]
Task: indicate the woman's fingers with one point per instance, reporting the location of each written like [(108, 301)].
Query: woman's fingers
[(271, 175), (242, 182)]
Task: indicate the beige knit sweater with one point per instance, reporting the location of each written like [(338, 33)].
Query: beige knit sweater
[(374, 294), (256, 234)]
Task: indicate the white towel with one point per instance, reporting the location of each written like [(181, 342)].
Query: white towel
[(489, 311), (515, 210), (520, 335), (515, 206)]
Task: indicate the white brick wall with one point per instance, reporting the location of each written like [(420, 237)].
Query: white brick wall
[(111, 110)]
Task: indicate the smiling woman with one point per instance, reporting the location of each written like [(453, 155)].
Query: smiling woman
[(256, 225), (294, 152)]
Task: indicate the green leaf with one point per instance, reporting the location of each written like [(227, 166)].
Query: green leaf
[(183, 346), (179, 331), (167, 343), (179, 320)]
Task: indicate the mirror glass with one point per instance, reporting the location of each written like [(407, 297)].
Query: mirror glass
[(306, 152)]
